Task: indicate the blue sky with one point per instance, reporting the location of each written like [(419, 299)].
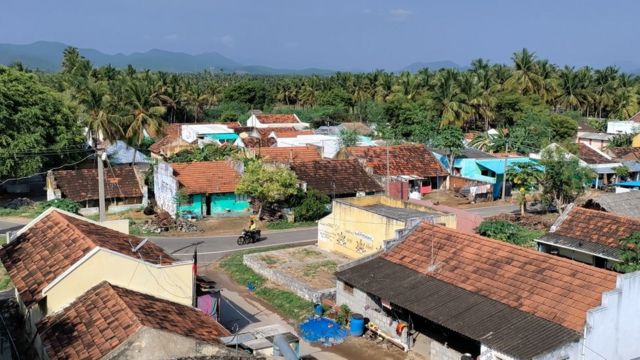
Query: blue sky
[(337, 34)]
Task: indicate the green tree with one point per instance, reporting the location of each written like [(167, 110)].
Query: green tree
[(38, 128), (526, 177), (348, 137), (525, 78), (507, 231), (450, 139), (145, 115), (622, 172), (312, 207), (209, 152), (629, 253), (564, 178), (98, 112), (267, 185)]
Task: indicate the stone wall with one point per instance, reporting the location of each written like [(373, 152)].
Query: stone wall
[(254, 262)]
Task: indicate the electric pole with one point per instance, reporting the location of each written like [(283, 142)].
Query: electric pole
[(504, 176), (101, 201)]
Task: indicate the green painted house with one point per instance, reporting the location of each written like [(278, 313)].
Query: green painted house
[(204, 188)]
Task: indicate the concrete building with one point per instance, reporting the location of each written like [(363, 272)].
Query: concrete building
[(276, 121), (361, 226), (124, 189), (623, 127), (588, 236), (442, 293), (59, 256), (596, 140), (177, 137), (205, 188)]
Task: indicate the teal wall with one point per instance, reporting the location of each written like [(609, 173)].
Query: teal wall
[(221, 202), (195, 206)]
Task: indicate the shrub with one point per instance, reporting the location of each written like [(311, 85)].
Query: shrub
[(62, 204), (509, 232), (313, 206)]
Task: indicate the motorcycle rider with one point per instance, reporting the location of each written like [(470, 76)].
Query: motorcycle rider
[(253, 230)]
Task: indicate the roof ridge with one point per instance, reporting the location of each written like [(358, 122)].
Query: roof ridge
[(75, 228), (605, 213)]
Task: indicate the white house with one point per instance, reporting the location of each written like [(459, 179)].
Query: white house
[(276, 121), (623, 127)]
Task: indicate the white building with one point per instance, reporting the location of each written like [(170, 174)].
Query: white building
[(623, 127)]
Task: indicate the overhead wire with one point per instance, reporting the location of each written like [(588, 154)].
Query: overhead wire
[(44, 172)]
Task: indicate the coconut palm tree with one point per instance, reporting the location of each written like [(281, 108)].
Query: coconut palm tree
[(525, 77), (102, 122), (145, 114)]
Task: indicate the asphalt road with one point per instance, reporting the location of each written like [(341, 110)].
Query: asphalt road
[(214, 247), (8, 226), (494, 210)]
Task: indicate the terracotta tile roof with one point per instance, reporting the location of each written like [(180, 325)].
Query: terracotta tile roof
[(82, 184), (556, 289), (409, 160), (207, 177), (106, 316), (56, 242), (277, 118), (635, 117), (599, 227), (171, 134), (591, 156), (284, 132), (625, 153), (288, 154), (335, 177)]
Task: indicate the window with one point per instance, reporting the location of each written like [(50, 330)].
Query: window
[(347, 288)]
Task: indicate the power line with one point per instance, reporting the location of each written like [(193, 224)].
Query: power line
[(44, 172)]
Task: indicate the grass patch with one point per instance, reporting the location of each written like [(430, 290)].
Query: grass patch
[(269, 260), (284, 224), (306, 252), (285, 302), (327, 265), (28, 212)]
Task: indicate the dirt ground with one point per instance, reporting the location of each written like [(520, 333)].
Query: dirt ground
[(531, 221), (307, 264), (449, 198)]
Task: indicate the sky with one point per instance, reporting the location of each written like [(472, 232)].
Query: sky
[(337, 34)]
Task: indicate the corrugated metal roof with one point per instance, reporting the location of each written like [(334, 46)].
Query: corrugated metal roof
[(499, 326), (583, 246)]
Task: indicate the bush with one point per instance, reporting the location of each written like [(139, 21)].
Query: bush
[(313, 206), (62, 204), (507, 231)]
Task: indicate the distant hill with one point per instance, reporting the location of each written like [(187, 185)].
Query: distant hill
[(434, 65), (47, 56)]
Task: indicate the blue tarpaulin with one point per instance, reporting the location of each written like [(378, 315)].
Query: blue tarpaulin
[(323, 330)]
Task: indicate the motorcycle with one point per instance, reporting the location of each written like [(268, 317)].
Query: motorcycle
[(249, 237)]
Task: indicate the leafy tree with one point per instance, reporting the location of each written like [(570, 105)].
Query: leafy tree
[(564, 178), (621, 140), (267, 185), (38, 128), (450, 139), (254, 93), (622, 172), (629, 253), (507, 231), (96, 103), (526, 178), (348, 137), (209, 152), (313, 206), (62, 204)]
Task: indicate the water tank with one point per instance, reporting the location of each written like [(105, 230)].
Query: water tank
[(357, 325)]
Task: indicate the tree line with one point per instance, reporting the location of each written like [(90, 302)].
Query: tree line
[(537, 101)]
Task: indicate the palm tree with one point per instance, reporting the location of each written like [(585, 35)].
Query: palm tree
[(103, 125), (145, 115), (448, 101), (525, 78)]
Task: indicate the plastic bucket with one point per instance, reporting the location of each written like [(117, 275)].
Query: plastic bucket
[(318, 309), (356, 325)]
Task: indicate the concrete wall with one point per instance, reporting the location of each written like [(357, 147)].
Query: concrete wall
[(173, 282), (151, 344), (112, 209), (165, 187), (279, 277), (622, 127), (354, 232)]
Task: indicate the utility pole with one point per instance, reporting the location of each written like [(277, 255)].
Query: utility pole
[(101, 201), (504, 176)]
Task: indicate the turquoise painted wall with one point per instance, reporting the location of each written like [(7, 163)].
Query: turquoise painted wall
[(195, 206), (221, 202)]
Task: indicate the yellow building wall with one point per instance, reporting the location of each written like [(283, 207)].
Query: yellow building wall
[(172, 283), (636, 141), (354, 232)]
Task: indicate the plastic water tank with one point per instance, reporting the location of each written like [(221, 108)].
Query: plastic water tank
[(357, 325)]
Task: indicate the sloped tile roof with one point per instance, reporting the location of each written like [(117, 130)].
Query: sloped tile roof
[(106, 316), (56, 242), (288, 154), (335, 177), (604, 228), (277, 118), (267, 141), (207, 177), (408, 160), (553, 288), (82, 184), (591, 156), (625, 153)]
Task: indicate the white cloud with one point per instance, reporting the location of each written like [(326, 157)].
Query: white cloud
[(400, 14), (227, 40), (171, 37)]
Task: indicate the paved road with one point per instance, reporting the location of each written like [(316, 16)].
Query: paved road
[(9, 226), (214, 247), (494, 210)]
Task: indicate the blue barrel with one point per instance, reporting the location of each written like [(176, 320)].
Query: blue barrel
[(357, 325), (318, 309)]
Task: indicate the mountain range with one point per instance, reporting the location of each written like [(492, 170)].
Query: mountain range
[(47, 56)]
